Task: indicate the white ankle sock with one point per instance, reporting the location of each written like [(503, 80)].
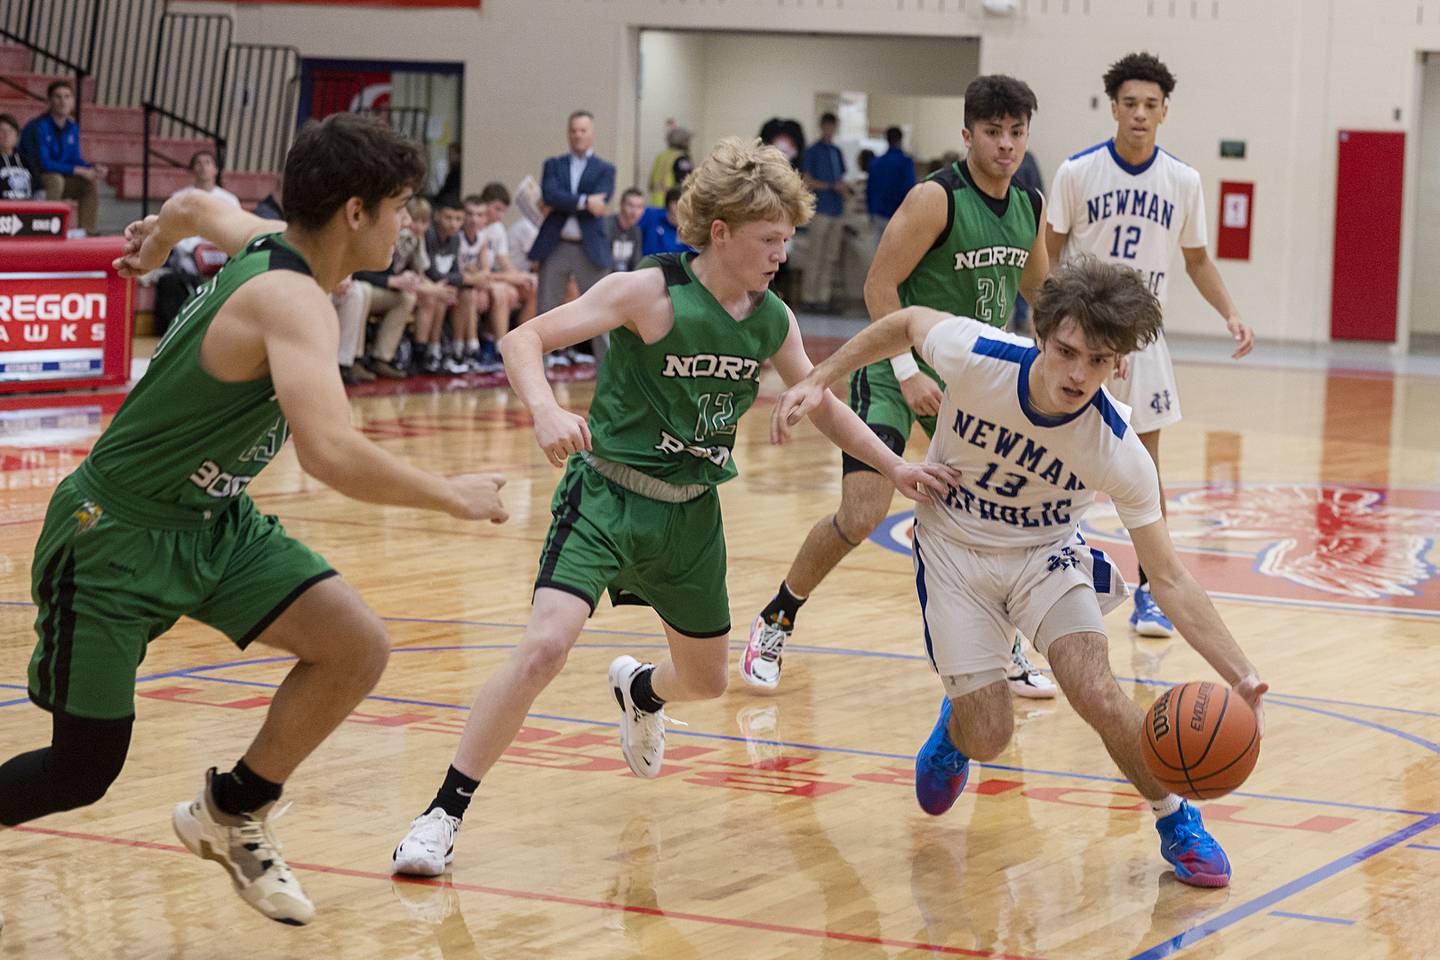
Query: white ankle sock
[(1163, 808)]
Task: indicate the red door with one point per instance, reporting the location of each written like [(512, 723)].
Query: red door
[(1365, 284)]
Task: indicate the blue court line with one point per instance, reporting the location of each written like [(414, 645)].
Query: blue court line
[(1272, 696), (846, 751), (1430, 745), (1306, 916), (1229, 918), (1423, 846), (1321, 606), (1352, 703), (1276, 699)]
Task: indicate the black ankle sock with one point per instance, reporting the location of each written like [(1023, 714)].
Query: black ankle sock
[(1143, 579), (455, 794), (643, 694), (242, 790), (784, 604)]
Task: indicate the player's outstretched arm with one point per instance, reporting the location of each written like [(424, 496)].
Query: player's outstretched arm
[(618, 300), (883, 338), (848, 432), (1187, 604), (148, 242), (301, 334)]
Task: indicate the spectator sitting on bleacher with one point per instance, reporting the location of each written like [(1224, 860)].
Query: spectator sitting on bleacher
[(398, 291), (183, 274), (14, 175), (508, 287), (349, 299), (442, 244), (658, 226), (52, 141)]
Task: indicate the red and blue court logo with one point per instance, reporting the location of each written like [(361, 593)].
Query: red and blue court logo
[(1361, 548)]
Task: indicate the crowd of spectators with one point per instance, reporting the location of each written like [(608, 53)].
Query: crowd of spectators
[(460, 278)]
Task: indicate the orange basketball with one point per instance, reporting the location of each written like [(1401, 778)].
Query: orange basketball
[(1200, 740)]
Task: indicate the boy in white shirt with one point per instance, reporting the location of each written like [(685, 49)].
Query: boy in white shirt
[(1126, 201)]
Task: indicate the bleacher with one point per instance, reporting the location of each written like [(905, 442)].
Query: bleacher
[(115, 137)]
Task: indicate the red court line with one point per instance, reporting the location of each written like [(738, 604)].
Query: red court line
[(568, 901)]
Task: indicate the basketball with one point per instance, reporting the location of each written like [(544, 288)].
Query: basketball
[(1200, 740)]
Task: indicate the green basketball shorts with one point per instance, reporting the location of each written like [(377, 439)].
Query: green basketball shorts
[(111, 573), (670, 556)]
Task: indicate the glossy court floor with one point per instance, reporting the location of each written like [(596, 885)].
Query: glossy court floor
[(1305, 496)]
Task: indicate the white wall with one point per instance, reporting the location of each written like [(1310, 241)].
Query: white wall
[(718, 84), (672, 86), (1284, 75), (934, 123), (1425, 259)]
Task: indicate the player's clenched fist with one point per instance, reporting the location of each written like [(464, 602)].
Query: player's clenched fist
[(477, 497), (561, 433)]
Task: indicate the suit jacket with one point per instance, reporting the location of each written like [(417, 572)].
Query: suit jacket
[(598, 177)]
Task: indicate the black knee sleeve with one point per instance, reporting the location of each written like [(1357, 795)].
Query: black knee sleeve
[(83, 759)]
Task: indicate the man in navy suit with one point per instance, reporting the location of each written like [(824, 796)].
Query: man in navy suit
[(576, 186)]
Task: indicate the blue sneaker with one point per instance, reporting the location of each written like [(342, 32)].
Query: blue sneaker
[(1149, 620), (940, 769), (1184, 842)]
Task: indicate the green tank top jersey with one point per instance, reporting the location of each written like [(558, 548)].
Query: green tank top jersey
[(181, 437), (669, 408), (973, 269)]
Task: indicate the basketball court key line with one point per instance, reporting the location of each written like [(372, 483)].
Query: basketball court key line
[(1229, 918), (1306, 916)]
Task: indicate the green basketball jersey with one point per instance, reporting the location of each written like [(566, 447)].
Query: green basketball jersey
[(973, 269), (669, 408), (182, 437)]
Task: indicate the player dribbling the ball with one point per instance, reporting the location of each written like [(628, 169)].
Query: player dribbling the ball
[(1034, 435)]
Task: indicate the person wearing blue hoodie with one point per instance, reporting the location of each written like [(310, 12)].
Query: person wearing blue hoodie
[(52, 141)]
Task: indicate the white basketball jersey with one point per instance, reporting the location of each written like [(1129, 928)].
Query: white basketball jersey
[(1131, 215), (470, 250), (1026, 478)]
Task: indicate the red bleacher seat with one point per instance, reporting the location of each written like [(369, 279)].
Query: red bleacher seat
[(248, 186)]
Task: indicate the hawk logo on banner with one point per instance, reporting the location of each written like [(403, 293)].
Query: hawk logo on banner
[(1304, 543)]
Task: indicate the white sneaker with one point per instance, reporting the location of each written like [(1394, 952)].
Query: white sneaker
[(429, 847), (642, 734), (579, 357), (245, 846), (1024, 680), (760, 663), (556, 360)]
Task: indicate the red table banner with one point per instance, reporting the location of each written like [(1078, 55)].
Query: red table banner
[(65, 315)]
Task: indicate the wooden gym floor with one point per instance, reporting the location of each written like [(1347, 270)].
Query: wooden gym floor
[(1306, 500)]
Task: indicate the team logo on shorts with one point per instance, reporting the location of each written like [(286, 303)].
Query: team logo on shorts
[(87, 516), (1307, 544)]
